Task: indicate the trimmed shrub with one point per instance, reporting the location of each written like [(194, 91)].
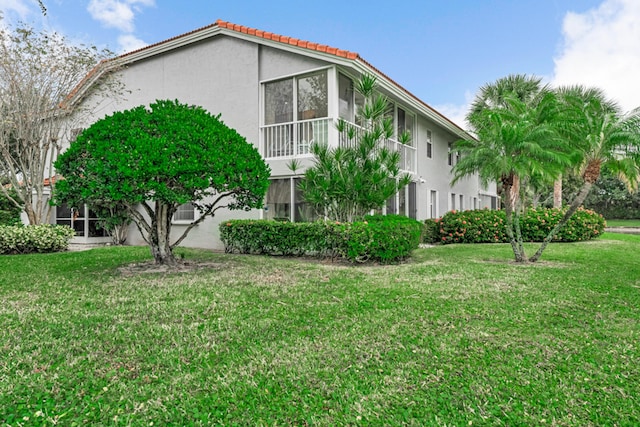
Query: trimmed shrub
[(378, 238), (383, 238), (34, 238), (277, 237), (431, 231), (488, 226), (479, 226)]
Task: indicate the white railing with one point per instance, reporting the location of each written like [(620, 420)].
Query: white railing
[(294, 138), (352, 132)]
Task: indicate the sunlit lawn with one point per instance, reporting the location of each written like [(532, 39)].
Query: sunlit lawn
[(458, 336), (623, 223)]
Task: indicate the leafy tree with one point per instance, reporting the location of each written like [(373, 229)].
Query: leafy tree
[(152, 160), (608, 196), (605, 137), (515, 140), (38, 71), (349, 181)]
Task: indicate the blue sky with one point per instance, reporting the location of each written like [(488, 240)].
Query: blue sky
[(442, 51)]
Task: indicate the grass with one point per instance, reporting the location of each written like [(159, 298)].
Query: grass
[(458, 336), (623, 223)]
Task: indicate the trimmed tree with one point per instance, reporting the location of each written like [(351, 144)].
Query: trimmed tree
[(152, 160)]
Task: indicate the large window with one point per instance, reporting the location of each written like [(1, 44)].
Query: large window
[(84, 221), (289, 130), (312, 96), (286, 202), (349, 100), (404, 202)]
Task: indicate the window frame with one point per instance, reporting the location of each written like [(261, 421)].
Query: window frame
[(177, 221)]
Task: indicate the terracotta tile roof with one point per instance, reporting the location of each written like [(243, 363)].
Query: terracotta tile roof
[(277, 38), (287, 40), (326, 49)]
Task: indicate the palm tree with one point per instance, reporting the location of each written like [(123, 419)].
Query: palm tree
[(606, 139), (515, 139)]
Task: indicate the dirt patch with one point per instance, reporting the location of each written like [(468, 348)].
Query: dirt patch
[(150, 267)]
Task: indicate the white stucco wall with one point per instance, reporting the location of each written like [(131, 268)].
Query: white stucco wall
[(223, 74)]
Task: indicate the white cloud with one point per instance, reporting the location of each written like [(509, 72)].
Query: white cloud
[(457, 113), (601, 48), (129, 42), (117, 14), (120, 14), (19, 7)]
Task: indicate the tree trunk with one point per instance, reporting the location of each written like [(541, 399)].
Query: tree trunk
[(557, 193), (590, 177), (510, 212), (160, 238)]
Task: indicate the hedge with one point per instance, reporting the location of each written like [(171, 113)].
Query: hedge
[(488, 226), (34, 238), (377, 238)]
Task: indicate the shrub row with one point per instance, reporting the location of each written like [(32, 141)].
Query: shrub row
[(34, 238), (488, 226), (377, 238)]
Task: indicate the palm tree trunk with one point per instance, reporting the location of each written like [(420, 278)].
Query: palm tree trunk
[(557, 193), (510, 211), (591, 174)]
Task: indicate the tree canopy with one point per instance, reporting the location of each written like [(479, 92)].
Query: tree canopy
[(525, 131), (152, 160)]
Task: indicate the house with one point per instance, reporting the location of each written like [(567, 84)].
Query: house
[(283, 94)]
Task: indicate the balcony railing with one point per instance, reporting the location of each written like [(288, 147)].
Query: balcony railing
[(293, 139), (352, 132)]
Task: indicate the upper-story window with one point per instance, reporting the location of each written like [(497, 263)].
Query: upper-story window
[(349, 100), (405, 123), (429, 144), (295, 114), (309, 97), (312, 96)]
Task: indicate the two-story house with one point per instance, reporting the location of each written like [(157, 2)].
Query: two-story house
[(283, 94)]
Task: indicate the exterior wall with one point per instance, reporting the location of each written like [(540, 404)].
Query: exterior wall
[(224, 75), (436, 173), (221, 75)]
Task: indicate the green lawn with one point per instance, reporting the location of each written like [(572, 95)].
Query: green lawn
[(458, 336), (623, 223)]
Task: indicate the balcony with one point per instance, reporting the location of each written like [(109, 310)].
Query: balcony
[(293, 139)]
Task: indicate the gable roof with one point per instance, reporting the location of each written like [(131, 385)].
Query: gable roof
[(332, 54)]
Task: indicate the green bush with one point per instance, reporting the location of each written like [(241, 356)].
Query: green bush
[(9, 213), (488, 226), (383, 238), (431, 231), (276, 237), (377, 238), (479, 226), (34, 238)]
